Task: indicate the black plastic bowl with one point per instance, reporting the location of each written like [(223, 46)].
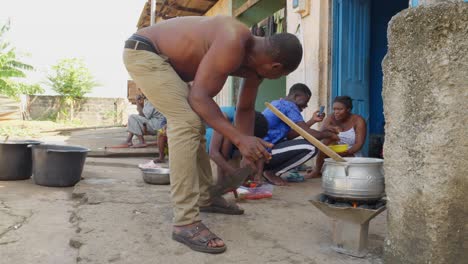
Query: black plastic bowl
[(58, 165), (16, 160)]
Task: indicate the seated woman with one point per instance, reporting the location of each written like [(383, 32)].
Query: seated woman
[(352, 128)]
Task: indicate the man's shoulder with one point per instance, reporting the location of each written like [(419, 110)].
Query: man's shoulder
[(284, 104)]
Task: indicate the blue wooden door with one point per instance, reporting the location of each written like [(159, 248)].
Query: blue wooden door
[(351, 40)]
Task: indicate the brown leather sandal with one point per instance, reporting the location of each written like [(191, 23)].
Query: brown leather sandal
[(193, 238)]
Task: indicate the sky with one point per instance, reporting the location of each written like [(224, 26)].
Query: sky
[(45, 31)]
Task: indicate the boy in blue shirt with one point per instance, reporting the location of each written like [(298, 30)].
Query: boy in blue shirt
[(288, 153)]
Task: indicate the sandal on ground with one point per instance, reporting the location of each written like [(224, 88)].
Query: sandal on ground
[(193, 238), (229, 209)]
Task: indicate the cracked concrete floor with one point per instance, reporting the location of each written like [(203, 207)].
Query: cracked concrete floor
[(34, 224), (116, 218)]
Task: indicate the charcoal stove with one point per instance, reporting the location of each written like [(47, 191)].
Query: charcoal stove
[(350, 221)]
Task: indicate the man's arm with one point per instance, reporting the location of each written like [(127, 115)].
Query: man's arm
[(224, 56), (216, 145), (316, 134), (315, 119), (245, 110)]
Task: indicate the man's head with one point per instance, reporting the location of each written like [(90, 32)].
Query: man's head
[(284, 51), (300, 94), (140, 98)]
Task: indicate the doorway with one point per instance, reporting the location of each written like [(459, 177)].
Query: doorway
[(359, 44)]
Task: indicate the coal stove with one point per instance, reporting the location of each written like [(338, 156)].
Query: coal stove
[(350, 221)]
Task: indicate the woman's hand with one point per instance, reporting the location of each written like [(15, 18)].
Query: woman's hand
[(345, 154)]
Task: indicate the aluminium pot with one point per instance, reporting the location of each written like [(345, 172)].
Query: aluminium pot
[(16, 160), (158, 176), (356, 179), (58, 165)]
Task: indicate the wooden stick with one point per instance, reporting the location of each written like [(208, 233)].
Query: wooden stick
[(330, 153)]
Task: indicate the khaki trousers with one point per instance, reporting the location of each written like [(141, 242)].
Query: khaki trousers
[(188, 161)]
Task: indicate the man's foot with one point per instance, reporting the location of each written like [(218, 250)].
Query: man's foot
[(273, 179), (199, 238), (123, 145), (139, 145), (313, 174), (221, 206)]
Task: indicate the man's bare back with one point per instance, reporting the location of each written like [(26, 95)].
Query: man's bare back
[(186, 40)]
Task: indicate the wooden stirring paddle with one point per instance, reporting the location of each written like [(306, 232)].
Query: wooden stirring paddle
[(328, 151)]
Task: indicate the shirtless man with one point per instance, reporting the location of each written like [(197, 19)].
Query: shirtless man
[(162, 58)]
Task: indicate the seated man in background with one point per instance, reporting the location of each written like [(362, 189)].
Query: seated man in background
[(288, 153), (147, 121), (221, 150)]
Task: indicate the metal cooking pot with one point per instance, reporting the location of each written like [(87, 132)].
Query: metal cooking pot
[(355, 179)]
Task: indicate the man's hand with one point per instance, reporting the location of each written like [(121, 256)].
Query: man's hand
[(253, 149), (316, 117)]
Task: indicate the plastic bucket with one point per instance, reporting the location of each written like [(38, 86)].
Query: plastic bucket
[(16, 160), (58, 165)]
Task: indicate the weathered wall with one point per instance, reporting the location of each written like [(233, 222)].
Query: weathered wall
[(426, 148), (91, 111), (430, 2), (312, 31), (224, 8)]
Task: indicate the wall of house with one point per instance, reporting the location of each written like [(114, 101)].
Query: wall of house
[(425, 95), (91, 111), (312, 30), (223, 7), (430, 2)]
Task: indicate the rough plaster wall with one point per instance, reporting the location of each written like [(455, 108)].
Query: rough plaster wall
[(426, 148), (308, 71), (91, 111), (222, 7), (430, 2)]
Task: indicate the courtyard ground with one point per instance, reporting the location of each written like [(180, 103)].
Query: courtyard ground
[(112, 216)]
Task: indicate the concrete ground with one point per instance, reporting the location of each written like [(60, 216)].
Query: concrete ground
[(112, 216)]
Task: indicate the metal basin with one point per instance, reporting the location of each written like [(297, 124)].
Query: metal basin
[(16, 160), (159, 176), (355, 179)]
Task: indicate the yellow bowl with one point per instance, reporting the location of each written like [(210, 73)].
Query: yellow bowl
[(339, 148)]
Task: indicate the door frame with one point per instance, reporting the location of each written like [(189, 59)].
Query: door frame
[(333, 71)]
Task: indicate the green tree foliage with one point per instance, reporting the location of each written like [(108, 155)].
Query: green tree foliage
[(12, 70), (71, 79)]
